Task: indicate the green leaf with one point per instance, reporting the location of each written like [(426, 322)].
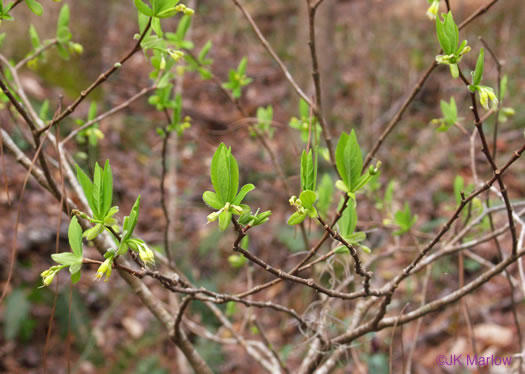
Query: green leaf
[(35, 7), (75, 277), (66, 258), (62, 52), (224, 220), (33, 36), (183, 27), (2, 37), (261, 218), (63, 16), (87, 187), (308, 199), (447, 33), (341, 250), (241, 69), (225, 174), (504, 84), (356, 237), (98, 192), (211, 199), (143, 8), (349, 160), (308, 171), (63, 33), (204, 51), (296, 218), (156, 26), (75, 268), (478, 73), (92, 113), (107, 181), (17, 309), (459, 185), (74, 235), (404, 220), (131, 220), (242, 193), (365, 249), (348, 220)]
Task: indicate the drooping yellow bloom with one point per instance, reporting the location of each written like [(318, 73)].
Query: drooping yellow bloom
[(433, 9)]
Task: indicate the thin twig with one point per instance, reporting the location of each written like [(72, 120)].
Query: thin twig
[(102, 78), (109, 113), (415, 90), (270, 346)]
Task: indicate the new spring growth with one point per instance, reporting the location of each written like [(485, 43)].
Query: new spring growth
[(448, 37), (226, 208), (145, 253), (486, 93), (373, 170), (433, 9), (76, 48), (105, 269), (175, 55), (49, 275), (184, 9), (295, 202)]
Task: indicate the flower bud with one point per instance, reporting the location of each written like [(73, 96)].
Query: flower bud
[(146, 254), (213, 216), (76, 48), (236, 209), (175, 55), (47, 280), (432, 11), (104, 269)]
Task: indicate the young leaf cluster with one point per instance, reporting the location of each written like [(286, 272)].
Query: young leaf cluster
[(450, 115), (404, 220), (162, 45), (72, 259), (264, 122), (227, 199), (486, 94), (448, 37), (177, 124), (202, 62), (92, 134), (99, 194), (4, 11), (304, 122), (304, 205), (349, 163), (63, 36), (347, 225), (504, 112), (237, 79)]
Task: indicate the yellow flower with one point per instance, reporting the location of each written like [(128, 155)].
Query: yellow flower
[(432, 11), (105, 269), (487, 94)]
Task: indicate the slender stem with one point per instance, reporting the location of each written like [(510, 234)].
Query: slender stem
[(316, 75), (486, 151), (36, 53), (102, 78), (415, 90)]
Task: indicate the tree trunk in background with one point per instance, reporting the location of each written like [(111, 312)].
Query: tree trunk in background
[(325, 27)]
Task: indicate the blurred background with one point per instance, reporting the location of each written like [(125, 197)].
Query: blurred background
[(372, 52)]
